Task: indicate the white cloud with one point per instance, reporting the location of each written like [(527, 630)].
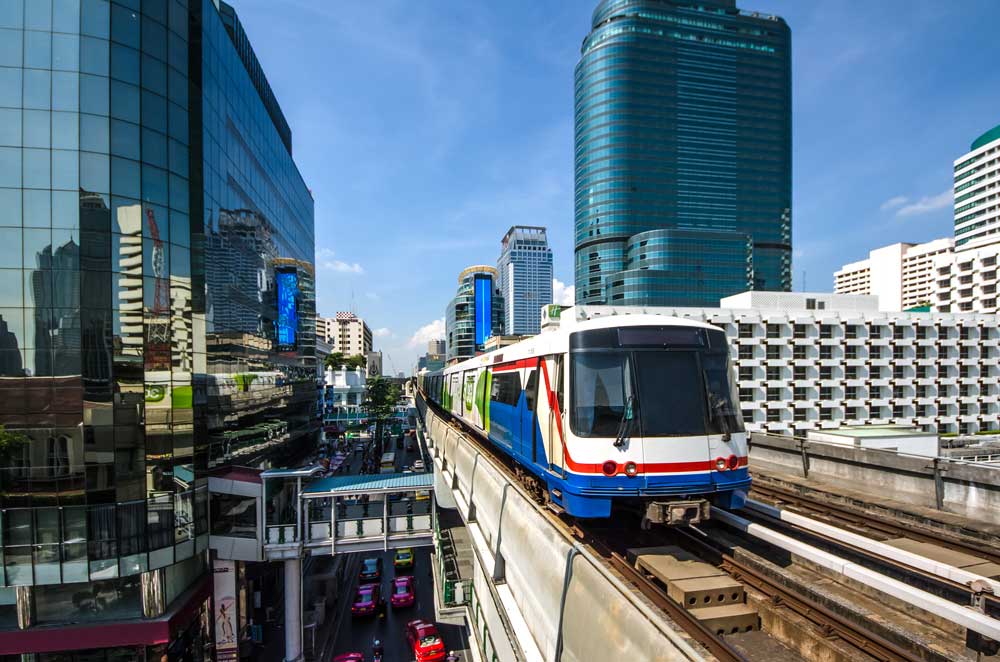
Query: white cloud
[(427, 333), (343, 267), (926, 205), (892, 203), (382, 332), (562, 293), (325, 260)]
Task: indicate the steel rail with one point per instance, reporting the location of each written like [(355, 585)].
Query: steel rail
[(830, 622), (871, 521), (694, 628)]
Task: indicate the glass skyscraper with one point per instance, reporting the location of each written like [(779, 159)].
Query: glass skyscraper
[(525, 274), (156, 314), (474, 314), (683, 153)]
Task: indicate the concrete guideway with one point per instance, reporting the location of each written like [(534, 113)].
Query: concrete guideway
[(550, 598), (966, 488), (916, 561), (961, 615)]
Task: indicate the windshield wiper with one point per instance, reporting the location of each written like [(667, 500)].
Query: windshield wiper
[(625, 425)]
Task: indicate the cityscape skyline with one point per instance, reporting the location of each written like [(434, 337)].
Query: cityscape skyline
[(866, 80), (574, 223)]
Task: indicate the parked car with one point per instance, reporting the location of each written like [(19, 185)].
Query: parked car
[(403, 559), (349, 657), (402, 592), (371, 570), (425, 641), (418, 465), (367, 600)]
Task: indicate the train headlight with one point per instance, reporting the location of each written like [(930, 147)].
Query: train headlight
[(733, 462), (720, 464), (630, 469), (610, 468)]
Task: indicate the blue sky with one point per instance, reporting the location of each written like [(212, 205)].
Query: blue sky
[(425, 129)]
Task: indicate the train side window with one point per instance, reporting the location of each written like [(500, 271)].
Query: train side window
[(559, 383), (531, 389), (506, 388)]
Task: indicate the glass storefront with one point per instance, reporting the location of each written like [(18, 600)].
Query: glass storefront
[(152, 219)]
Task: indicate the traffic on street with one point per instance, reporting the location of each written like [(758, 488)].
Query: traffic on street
[(389, 614)]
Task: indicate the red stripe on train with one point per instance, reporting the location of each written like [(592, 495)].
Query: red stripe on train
[(516, 365), (653, 467)]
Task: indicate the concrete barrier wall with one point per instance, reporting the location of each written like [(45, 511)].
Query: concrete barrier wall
[(500, 635), (966, 488), (564, 605)]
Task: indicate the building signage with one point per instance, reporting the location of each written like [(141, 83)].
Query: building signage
[(226, 635)]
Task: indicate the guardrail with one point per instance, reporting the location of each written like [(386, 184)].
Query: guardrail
[(937, 482), (552, 598)]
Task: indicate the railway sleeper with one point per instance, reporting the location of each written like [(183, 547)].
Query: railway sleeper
[(709, 594)]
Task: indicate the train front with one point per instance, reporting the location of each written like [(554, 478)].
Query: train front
[(654, 415)]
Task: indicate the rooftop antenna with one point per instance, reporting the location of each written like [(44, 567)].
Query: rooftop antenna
[(804, 281)]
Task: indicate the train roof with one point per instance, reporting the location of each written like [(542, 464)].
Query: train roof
[(579, 318)]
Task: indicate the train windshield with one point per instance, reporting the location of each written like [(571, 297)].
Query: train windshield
[(677, 380)]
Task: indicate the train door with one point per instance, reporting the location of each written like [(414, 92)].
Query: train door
[(529, 444), (553, 422)]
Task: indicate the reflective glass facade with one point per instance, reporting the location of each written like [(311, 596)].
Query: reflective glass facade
[(148, 197), (475, 314), (683, 122), (525, 276)]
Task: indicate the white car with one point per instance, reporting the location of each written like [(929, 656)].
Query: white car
[(418, 465)]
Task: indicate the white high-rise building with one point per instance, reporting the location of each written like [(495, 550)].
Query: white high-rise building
[(820, 361), (966, 282), (977, 193), (901, 275), (347, 333), (525, 274)]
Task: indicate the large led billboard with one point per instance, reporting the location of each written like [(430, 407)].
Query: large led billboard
[(288, 314), (484, 309)]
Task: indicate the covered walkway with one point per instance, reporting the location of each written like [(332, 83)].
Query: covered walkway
[(343, 514)]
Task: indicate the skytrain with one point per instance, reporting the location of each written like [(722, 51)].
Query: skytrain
[(637, 411)]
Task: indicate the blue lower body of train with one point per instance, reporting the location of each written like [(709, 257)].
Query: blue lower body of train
[(514, 430)]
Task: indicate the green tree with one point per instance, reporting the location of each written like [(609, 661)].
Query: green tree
[(380, 401), (11, 443), (336, 359)]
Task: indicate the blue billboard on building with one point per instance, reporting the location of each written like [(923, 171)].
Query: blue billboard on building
[(288, 314), (484, 308)]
